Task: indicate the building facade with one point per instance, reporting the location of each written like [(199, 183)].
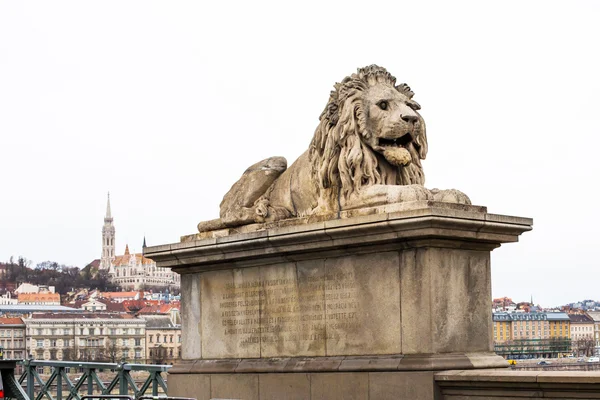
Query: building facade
[(582, 334), (531, 334), (163, 340), (86, 337), (12, 339)]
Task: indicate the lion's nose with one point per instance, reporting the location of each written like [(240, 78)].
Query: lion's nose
[(409, 118)]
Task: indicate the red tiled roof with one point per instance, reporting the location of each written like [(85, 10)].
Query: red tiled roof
[(157, 309), (11, 321), (94, 315), (110, 295), (39, 297)]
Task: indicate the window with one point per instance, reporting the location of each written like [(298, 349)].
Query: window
[(151, 338), (65, 342), (53, 342), (171, 339), (113, 331), (138, 342), (40, 343)]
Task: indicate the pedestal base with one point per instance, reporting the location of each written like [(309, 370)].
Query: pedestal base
[(307, 386)]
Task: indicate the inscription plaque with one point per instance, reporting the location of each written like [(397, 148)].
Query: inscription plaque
[(309, 308)]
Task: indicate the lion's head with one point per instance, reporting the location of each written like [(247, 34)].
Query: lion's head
[(369, 133)]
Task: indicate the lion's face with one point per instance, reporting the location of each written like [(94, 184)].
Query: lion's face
[(369, 134), (392, 123)]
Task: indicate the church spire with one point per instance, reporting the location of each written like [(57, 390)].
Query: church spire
[(108, 239), (108, 214)]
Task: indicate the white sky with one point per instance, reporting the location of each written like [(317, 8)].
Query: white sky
[(165, 104)]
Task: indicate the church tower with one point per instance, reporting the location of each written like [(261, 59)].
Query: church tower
[(108, 239)]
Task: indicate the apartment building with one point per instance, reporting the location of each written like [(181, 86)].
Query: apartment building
[(12, 339), (530, 325), (86, 337), (163, 340)]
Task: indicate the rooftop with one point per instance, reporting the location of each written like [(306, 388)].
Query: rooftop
[(29, 308), (83, 315)]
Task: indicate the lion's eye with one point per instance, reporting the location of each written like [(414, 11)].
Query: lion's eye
[(383, 105)]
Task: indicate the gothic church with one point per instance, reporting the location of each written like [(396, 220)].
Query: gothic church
[(132, 271)]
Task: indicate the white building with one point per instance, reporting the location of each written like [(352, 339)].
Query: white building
[(86, 337), (7, 299)]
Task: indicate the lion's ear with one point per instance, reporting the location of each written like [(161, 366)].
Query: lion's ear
[(405, 89)]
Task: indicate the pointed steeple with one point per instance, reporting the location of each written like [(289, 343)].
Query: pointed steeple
[(108, 216), (126, 249), (144, 244), (108, 239)]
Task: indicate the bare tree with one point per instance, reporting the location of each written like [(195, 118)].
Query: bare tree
[(111, 351)]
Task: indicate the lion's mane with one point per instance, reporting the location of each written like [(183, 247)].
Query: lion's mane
[(338, 153)]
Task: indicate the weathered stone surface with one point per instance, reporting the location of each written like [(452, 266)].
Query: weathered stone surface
[(238, 386), (284, 386), (190, 318), (185, 385), (363, 305), (293, 314), (229, 316), (402, 386), (342, 386), (445, 294)]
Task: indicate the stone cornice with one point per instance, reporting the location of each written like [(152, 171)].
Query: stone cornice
[(398, 226)]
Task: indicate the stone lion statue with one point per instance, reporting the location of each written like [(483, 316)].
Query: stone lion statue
[(366, 152)]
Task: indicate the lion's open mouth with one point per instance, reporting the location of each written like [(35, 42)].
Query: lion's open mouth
[(396, 142)]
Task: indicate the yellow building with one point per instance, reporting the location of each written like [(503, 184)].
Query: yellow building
[(510, 326), (560, 325), (502, 327)]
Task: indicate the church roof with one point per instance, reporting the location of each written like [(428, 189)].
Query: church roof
[(124, 259)]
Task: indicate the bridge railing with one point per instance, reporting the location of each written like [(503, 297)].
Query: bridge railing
[(60, 386)]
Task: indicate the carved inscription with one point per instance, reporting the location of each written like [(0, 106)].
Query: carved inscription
[(309, 308)]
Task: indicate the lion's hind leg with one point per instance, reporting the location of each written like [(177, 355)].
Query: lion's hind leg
[(238, 205)]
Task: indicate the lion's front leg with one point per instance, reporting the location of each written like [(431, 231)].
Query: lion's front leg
[(377, 195)]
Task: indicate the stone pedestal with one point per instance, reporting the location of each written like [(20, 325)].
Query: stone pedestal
[(370, 303)]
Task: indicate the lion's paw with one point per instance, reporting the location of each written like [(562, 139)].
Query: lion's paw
[(450, 196), (404, 193)]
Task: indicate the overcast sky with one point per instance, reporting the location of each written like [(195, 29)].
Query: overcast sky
[(165, 104)]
